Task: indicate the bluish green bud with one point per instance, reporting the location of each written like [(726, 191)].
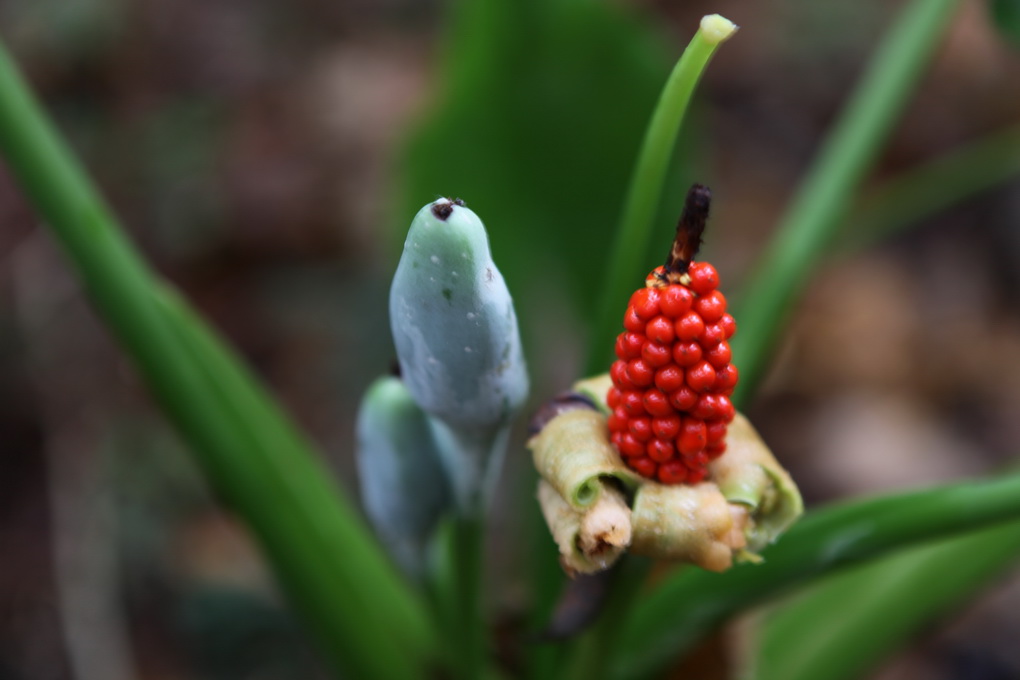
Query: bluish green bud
[(457, 340), (404, 488)]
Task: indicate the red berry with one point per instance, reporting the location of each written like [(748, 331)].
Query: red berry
[(725, 378), (669, 378), (700, 376), (689, 326), (683, 398), (645, 303), (719, 356), (618, 372), (672, 472), (660, 329), (715, 430), (631, 403), (692, 438), (726, 409), (628, 345), (618, 420), (675, 300), (641, 428), (695, 475), (660, 451), (704, 278), (645, 467), (686, 353), (672, 379), (711, 336), (656, 355), (632, 322), (698, 460), (715, 450), (708, 407), (640, 373), (729, 325), (711, 307), (657, 404), (666, 427), (613, 397), (630, 446)]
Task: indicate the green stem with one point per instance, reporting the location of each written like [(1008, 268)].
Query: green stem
[(590, 653), (458, 596), (825, 194), (324, 558), (626, 269), (931, 188), (687, 605)]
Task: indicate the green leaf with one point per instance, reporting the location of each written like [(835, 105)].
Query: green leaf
[(1006, 16), (825, 194), (917, 193), (871, 610), (337, 577), (686, 605), (625, 271)]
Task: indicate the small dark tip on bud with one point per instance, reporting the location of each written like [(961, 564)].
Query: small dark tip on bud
[(460, 202), (442, 210)]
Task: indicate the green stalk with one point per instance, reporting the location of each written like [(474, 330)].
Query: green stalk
[(591, 650), (824, 196), (671, 618), (626, 269), (324, 558), (459, 597), (933, 187), (873, 609)]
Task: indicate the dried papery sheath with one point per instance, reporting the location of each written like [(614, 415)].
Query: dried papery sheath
[(747, 502), (403, 485), (749, 475), (574, 456), (590, 540), (457, 341)]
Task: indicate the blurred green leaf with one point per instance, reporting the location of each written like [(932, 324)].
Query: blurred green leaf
[(324, 557), (826, 192), (923, 191), (873, 609), (1006, 17), (539, 111), (691, 602)]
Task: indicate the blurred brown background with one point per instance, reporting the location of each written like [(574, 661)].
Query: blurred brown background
[(252, 148)]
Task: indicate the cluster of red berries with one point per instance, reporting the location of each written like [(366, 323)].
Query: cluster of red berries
[(673, 378)]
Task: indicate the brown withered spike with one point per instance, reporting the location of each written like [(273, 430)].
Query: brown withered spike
[(689, 230)]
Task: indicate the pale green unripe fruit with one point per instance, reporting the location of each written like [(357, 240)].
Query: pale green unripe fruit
[(457, 341), (404, 488), (454, 323)]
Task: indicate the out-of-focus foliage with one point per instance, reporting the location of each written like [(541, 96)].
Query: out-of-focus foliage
[(1006, 15), (871, 609), (537, 120)]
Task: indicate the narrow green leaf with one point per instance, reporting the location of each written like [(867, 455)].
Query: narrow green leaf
[(1006, 16), (626, 269), (932, 187), (825, 194), (324, 558), (691, 602), (871, 610)]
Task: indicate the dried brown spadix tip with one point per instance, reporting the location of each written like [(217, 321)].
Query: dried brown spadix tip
[(688, 232)]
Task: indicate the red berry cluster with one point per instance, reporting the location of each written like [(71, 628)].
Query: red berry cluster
[(673, 378)]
